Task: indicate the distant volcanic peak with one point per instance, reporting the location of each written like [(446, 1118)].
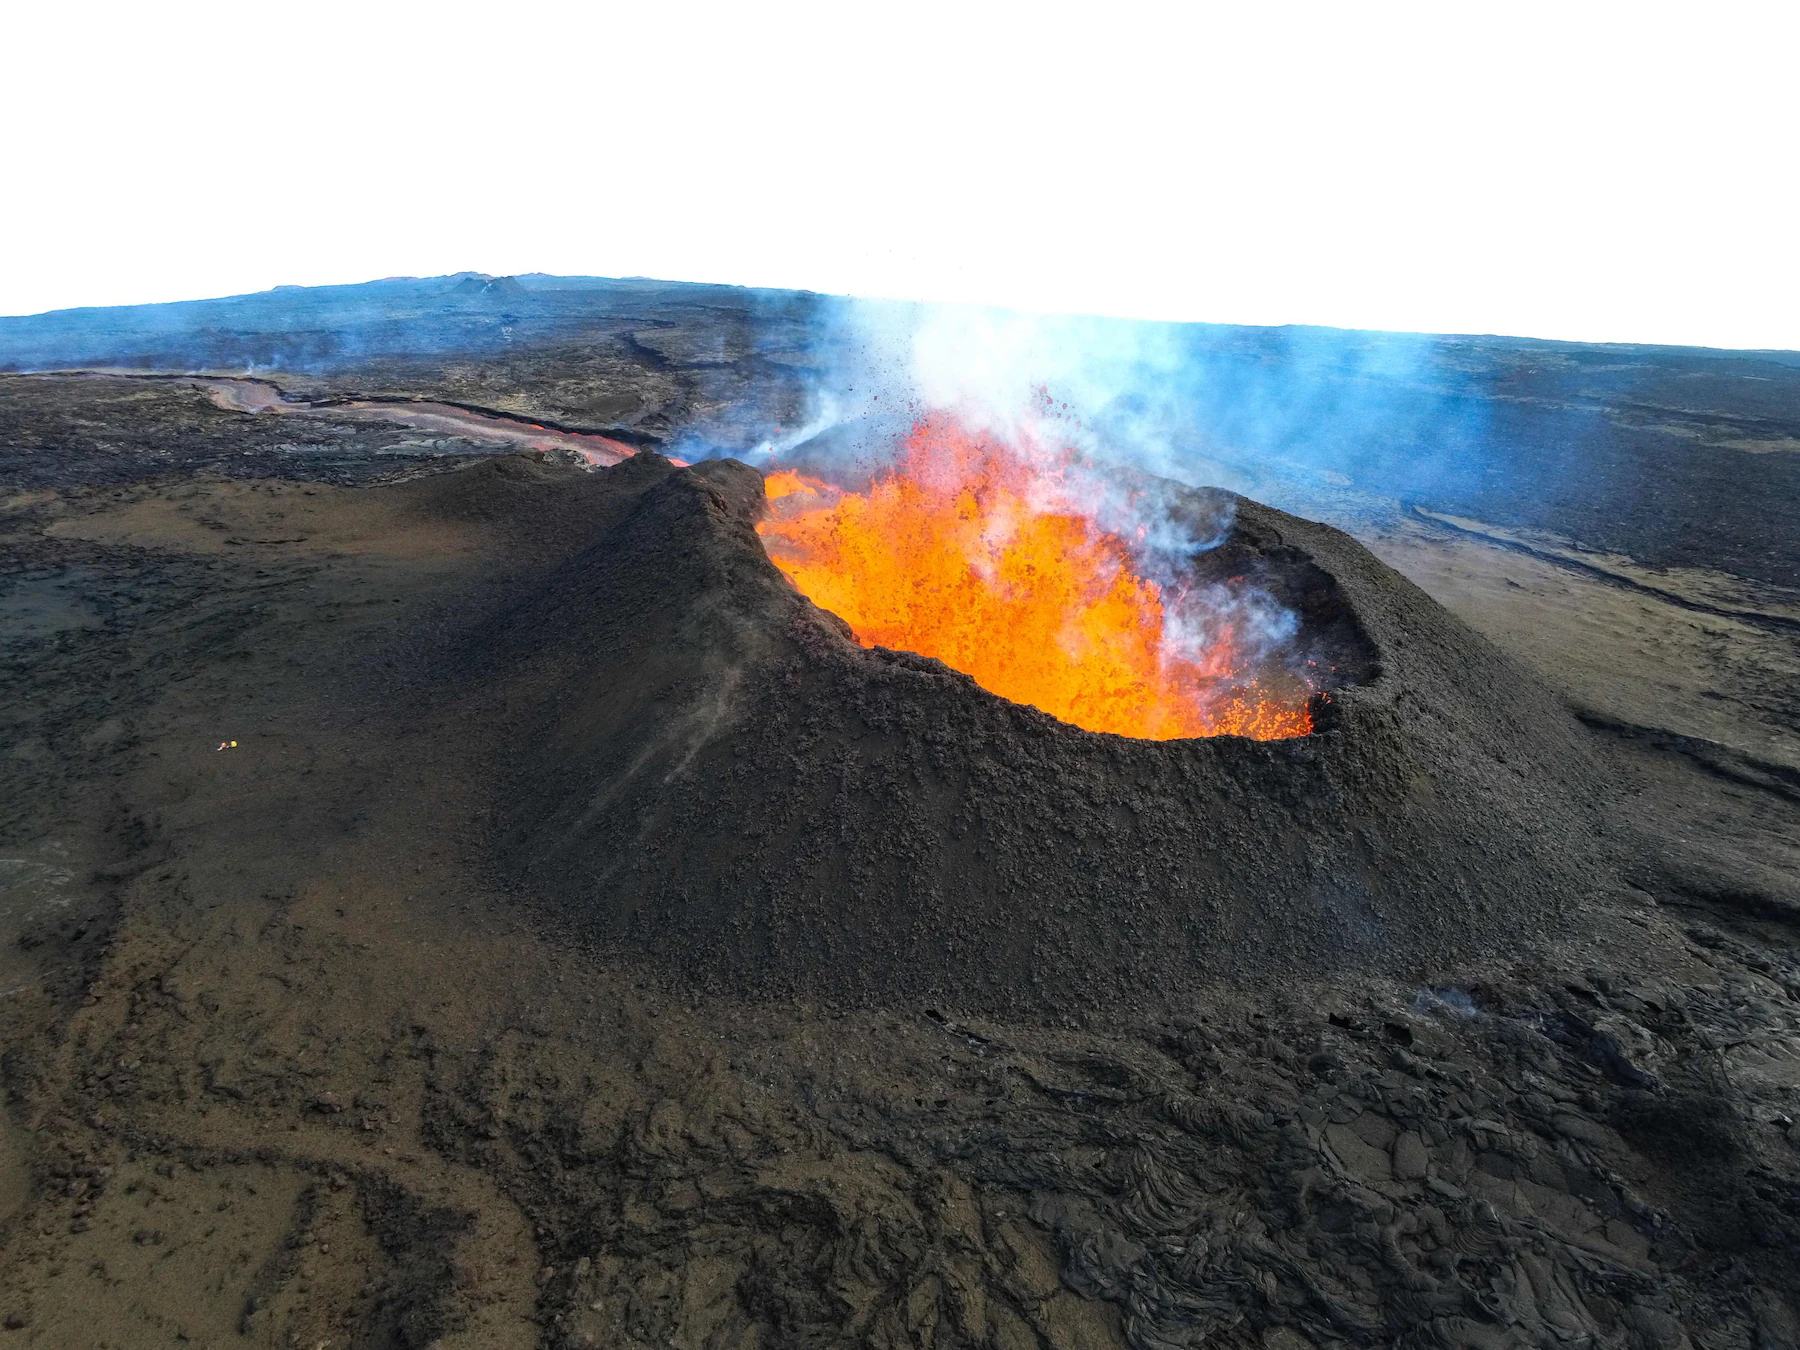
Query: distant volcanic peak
[(1029, 571), (478, 287)]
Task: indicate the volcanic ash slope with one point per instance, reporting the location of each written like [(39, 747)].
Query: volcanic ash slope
[(708, 771)]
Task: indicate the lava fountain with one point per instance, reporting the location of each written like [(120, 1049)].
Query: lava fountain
[(983, 553)]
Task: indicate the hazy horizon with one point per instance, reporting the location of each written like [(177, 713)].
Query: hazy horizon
[(528, 276)]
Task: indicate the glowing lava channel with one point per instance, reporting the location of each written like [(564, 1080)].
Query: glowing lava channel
[(963, 552)]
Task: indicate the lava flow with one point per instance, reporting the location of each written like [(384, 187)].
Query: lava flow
[(967, 551)]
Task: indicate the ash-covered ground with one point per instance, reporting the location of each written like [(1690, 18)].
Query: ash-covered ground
[(297, 1053)]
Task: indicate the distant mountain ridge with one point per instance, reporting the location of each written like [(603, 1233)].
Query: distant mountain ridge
[(317, 328), (321, 328)]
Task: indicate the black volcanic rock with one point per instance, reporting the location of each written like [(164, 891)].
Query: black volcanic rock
[(715, 775)]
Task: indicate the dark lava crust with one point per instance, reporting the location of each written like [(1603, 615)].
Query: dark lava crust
[(712, 772)]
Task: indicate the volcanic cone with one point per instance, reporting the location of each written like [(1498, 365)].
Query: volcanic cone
[(711, 773)]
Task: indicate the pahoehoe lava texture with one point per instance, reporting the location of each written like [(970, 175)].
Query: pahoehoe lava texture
[(712, 773)]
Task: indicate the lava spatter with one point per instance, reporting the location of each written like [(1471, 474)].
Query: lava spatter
[(970, 550)]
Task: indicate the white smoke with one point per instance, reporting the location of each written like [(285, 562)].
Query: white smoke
[(1110, 386), (1332, 424), (1109, 391), (1044, 384)]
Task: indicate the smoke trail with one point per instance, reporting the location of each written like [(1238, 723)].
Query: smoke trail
[(1290, 416), (1316, 421)]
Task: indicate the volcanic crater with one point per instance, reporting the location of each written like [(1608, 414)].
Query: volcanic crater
[(712, 772)]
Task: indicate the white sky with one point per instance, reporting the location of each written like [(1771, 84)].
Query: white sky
[(1591, 171)]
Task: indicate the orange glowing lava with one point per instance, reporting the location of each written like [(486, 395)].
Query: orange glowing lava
[(954, 554), (785, 483)]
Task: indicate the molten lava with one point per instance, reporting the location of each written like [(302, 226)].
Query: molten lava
[(966, 551)]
